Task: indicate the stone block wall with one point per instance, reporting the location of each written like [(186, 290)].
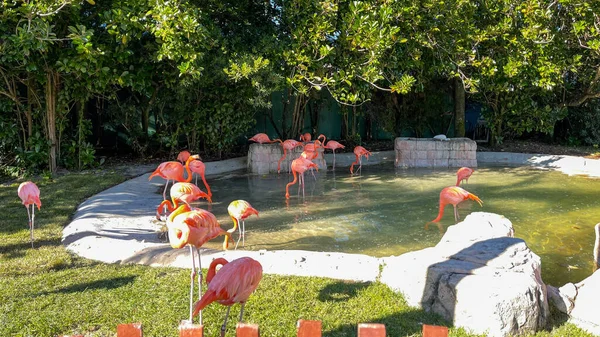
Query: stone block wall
[(263, 158), (429, 152)]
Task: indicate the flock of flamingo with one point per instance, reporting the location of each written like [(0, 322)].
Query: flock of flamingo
[(193, 227)]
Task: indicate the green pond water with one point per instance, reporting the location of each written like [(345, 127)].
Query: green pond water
[(383, 212)]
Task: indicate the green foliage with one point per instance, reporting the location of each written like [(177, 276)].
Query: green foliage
[(585, 122)]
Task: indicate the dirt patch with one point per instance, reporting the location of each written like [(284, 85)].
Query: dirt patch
[(537, 147)]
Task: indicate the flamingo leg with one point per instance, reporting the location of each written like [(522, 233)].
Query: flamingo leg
[(242, 311), (30, 218), (165, 191), (199, 282), (313, 173), (224, 326), (192, 276), (455, 214), (239, 234), (243, 233), (333, 168)]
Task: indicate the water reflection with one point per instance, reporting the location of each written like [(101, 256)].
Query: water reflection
[(384, 210)]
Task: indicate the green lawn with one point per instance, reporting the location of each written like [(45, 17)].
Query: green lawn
[(45, 291)]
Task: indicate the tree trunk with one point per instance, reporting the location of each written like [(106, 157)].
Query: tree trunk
[(52, 82), (459, 108)]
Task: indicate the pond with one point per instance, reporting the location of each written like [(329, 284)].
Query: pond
[(383, 211)]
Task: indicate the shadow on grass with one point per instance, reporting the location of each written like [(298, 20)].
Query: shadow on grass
[(407, 323), (111, 283), (341, 291), (18, 250)]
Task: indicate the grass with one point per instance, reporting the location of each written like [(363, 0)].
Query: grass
[(46, 291)]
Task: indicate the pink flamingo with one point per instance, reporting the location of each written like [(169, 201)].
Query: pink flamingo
[(359, 151), (30, 195), (234, 283), (331, 145), (299, 166), (240, 210), (453, 195), (173, 170), (193, 227), (198, 167), (261, 138), (288, 145), (463, 173), (183, 156), (306, 137), (181, 193)]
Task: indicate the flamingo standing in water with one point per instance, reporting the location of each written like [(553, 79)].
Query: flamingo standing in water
[(30, 195), (453, 195), (181, 193), (261, 138), (299, 166), (331, 145), (193, 227), (359, 151), (463, 173), (173, 170), (183, 156), (240, 210), (234, 283), (288, 145), (198, 167)]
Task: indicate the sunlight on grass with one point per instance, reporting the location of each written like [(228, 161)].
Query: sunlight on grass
[(46, 291)]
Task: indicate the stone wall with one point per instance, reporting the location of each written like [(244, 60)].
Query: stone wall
[(429, 152), (263, 158)]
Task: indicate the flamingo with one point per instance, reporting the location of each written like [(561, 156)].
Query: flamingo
[(173, 170), (359, 151), (193, 227), (331, 145), (234, 283), (288, 145), (306, 137), (181, 192), (453, 195), (463, 173), (30, 195), (197, 166), (299, 166), (183, 156), (261, 138), (240, 210)]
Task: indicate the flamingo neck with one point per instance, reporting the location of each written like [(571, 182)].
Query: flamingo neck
[(440, 213), (212, 270), (181, 209), (287, 187), (187, 170)]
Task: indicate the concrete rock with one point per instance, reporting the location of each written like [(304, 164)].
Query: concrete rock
[(477, 278)]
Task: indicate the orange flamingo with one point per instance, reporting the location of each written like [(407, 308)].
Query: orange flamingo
[(240, 210), (181, 193), (299, 166), (261, 138), (173, 170), (453, 195), (183, 156), (193, 227), (463, 173), (30, 195), (359, 151), (198, 167), (331, 145), (234, 283), (288, 145)]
